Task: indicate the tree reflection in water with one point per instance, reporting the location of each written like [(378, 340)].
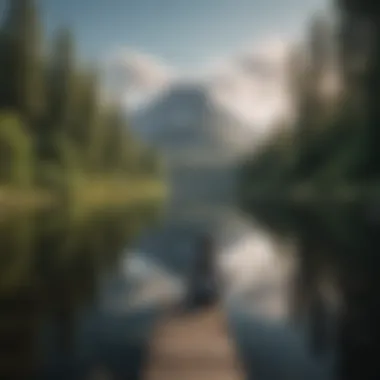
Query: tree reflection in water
[(51, 265), (336, 288)]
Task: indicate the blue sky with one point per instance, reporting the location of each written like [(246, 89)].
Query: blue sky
[(184, 33)]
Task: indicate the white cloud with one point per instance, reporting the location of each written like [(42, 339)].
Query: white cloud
[(251, 84), (254, 83), (131, 76)]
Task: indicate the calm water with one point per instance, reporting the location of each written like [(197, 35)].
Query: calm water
[(81, 294)]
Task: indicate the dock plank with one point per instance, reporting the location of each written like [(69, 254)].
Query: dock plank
[(193, 346)]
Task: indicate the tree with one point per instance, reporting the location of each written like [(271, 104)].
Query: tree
[(360, 40), (318, 67), (86, 126), (55, 110), (114, 139), (61, 83), (16, 155), (22, 61)]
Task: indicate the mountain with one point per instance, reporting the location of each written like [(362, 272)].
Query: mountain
[(186, 120), (200, 138)]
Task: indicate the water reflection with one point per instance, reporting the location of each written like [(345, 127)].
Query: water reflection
[(260, 268), (299, 286), (52, 267), (336, 282)]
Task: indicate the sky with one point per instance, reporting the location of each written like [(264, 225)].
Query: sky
[(184, 33), (144, 45)]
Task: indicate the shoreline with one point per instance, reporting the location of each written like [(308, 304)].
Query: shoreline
[(89, 194)]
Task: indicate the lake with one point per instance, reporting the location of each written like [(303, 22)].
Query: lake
[(81, 294)]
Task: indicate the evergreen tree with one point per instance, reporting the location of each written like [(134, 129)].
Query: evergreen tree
[(74, 134), (61, 84), (114, 140), (87, 110), (22, 61), (320, 57), (360, 40), (3, 68)]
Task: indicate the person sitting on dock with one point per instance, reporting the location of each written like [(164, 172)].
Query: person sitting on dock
[(202, 284)]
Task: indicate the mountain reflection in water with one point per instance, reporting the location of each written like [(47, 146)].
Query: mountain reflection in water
[(299, 288)]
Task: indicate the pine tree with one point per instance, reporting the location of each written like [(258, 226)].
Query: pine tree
[(360, 40), (320, 57), (61, 83), (90, 126), (87, 109), (3, 69), (23, 69), (114, 148)]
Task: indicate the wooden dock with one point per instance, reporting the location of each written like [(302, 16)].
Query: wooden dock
[(193, 346)]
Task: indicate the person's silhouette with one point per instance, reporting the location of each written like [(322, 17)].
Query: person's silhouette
[(202, 285)]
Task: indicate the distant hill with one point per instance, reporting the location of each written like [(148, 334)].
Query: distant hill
[(186, 120)]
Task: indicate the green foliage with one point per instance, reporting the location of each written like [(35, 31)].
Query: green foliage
[(21, 61), (16, 154), (61, 83), (54, 131), (42, 249), (335, 139)]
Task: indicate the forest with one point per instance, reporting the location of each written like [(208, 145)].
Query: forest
[(58, 135), (331, 148)]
